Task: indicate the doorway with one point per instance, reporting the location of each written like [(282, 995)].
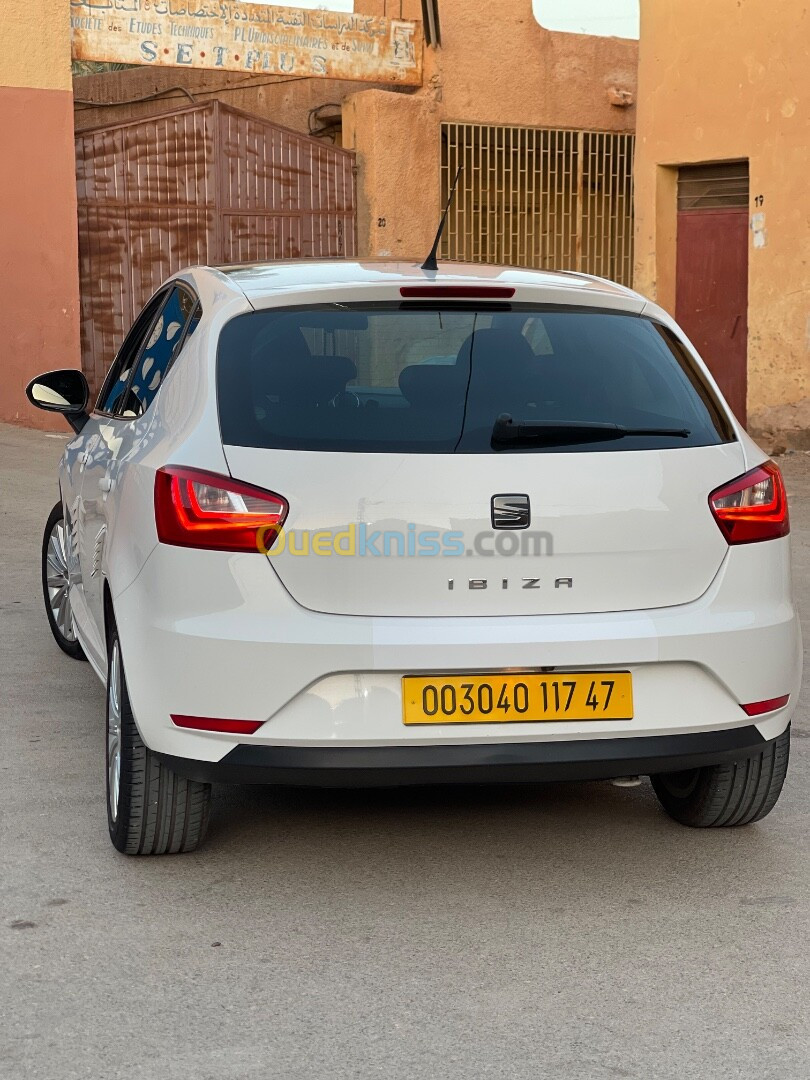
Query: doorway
[(711, 302)]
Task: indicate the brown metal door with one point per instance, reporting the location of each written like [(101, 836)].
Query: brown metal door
[(712, 294), (199, 184)]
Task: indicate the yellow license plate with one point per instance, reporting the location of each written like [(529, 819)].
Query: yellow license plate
[(509, 699)]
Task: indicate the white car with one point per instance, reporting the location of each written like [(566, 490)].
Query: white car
[(301, 548)]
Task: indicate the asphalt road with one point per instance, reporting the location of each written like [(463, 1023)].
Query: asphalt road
[(568, 931)]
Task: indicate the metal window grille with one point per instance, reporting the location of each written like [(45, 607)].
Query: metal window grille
[(719, 186), (540, 197)]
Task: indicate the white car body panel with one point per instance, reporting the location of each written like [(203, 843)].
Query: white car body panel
[(598, 554), (220, 636), (317, 651)]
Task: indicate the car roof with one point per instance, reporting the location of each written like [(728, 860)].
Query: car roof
[(264, 279)]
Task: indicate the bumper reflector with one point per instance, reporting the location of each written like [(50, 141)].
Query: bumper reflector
[(213, 723), (756, 708)]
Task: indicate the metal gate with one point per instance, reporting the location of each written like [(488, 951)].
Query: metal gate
[(540, 197), (205, 184), (711, 292)]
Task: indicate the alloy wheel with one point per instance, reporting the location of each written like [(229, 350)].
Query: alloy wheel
[(58, 581), (114, 729)]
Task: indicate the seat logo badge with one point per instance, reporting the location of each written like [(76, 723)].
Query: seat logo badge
[(511, 512)]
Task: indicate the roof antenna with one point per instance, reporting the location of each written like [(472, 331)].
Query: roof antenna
[(430, 262)]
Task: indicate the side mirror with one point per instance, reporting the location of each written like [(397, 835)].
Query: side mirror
[(65, 391)]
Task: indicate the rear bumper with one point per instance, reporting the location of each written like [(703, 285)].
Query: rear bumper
[(213, 634), (470, 763)]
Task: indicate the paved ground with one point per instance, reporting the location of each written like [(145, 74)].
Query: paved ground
[(565, 932)]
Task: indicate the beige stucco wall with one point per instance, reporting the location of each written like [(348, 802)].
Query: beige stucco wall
[(497, 65), (36, 35), (719, 81)]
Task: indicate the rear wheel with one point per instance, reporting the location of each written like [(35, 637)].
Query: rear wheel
[(150, 809), (56, 582), (735, 793)]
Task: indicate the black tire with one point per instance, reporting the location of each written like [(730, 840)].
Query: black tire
[(55, 584), (736, 793), (155, 811)]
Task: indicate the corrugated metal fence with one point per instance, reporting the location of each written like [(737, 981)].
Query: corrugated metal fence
[(540, 197), (203, 184)]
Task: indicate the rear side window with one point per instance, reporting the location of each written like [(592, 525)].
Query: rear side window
[(161, 347), (112, 398), (403, 378)]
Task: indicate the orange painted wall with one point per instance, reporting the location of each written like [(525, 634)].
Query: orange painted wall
[(39, 280), (720, 81)]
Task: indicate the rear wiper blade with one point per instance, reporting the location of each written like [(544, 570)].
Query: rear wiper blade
[(570, 432)]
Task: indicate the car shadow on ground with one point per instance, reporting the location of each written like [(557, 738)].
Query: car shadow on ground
[(574, 843)]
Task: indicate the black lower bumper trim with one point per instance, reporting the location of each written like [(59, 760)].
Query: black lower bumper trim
[(482, 763)]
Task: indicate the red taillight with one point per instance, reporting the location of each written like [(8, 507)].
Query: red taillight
[(753, 507), (213, 723), (457, 292), (204, 510), (757, 708)]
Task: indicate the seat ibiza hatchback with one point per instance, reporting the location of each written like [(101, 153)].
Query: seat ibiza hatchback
[(348, 523)]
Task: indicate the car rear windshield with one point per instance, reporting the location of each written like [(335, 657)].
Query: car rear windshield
[(397, 378)]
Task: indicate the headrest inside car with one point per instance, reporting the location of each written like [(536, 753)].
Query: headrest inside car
[(285, 370)]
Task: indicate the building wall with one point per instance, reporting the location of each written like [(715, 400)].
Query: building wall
[(721, 81), (38, 247), (496, 66), (116, 96)]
